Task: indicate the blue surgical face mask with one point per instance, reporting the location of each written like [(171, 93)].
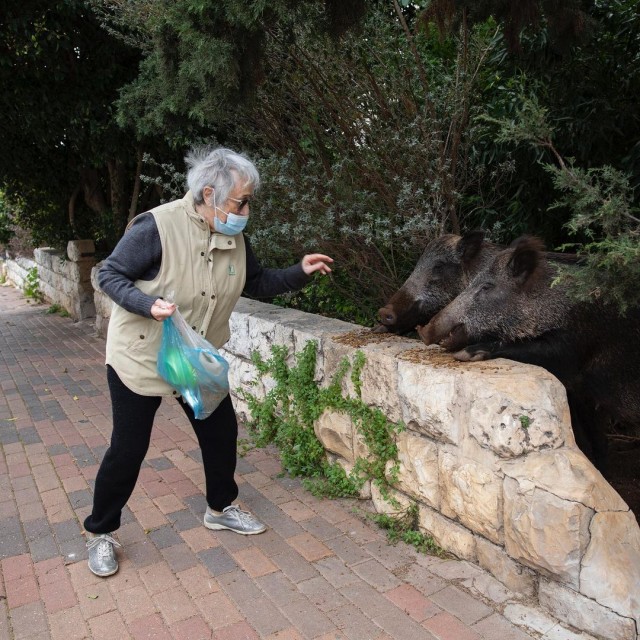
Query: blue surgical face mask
[(234, 225)]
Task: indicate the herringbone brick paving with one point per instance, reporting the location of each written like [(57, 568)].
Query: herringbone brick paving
[(320, 572)]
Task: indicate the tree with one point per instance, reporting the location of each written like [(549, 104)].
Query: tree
[(64, 156)]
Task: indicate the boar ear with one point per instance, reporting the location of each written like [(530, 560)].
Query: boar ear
[(469, 245), (525, 258)]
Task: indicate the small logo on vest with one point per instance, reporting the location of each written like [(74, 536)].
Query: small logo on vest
[(232, 270)]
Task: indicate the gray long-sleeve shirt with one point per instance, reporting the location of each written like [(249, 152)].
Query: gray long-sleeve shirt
[(138, 255)]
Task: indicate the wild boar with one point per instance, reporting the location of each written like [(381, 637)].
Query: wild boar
[(442, 272), (510, 310)]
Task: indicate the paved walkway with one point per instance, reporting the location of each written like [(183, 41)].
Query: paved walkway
[(319, 572)]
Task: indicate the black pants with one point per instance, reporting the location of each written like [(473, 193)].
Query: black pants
[(133, 417)]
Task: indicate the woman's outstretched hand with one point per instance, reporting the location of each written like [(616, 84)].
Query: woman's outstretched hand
[(316, 262)]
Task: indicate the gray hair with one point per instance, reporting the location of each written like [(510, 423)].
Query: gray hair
[(218, 168)]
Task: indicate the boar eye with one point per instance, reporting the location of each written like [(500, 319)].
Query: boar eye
[(487, 286)]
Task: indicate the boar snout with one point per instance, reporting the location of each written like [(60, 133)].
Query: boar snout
[(440, 330), (379, 328)]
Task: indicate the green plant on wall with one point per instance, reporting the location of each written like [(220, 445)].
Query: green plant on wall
[(286, 417), (404, 528), (59, 309), (32, 285)]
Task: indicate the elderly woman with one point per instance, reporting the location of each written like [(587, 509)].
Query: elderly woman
[(192, 249)]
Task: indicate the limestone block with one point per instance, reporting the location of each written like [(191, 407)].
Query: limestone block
[(94, 276), (514, 411), (103, 304), (611, 565), (62, 266), (241, 408), (46, 256), (365, 490), (418, 474), (335, 431), (307, 326), (64, 284), (79, 250), (360, 446), (472, 494), (568, 474), (513, 575), (79, 272), (530, 617), (102, 326), (334, 354), (243, 376), (545, 532), (581, 612), (283, 332), (380, 377), (49, 294), (239, 342), (382, 505), (428, 399), (262, 332), (450, 536)]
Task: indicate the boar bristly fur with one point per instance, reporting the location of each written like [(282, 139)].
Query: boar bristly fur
[(443, 270)]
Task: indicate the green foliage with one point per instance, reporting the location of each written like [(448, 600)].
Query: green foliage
[(6, 221), (64, 155), (60, 310), (581, 67), (600, 200), (404, 528), (330, 297), (286, 417), (339, 175), (32, 285), (525, 422), (603, 216)]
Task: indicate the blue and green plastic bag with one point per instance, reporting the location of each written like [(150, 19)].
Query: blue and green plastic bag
[(192, 366)]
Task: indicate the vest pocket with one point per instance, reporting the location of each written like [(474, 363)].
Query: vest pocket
[(145, 336)]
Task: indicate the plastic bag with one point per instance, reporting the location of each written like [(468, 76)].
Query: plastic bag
[(192, 366)]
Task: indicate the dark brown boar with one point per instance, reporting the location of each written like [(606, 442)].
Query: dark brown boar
[(442, 272), (444, 269), (510, 310)]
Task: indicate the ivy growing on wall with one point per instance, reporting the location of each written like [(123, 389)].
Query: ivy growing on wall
[(286, 417)]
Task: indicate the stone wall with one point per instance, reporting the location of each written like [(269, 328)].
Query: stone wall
[(63, 278), (488, 456), (15, 270)]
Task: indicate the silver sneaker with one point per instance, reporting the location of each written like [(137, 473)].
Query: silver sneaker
[(235, 519), (102, 554)]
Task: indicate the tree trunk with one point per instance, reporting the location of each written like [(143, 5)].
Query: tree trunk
[(119, 200), (93, 194), (133, 207), (72, 207)]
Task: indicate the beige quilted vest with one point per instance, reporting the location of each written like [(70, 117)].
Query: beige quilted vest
[(206, 273)]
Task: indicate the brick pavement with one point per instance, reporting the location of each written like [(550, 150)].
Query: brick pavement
[(320, 572)]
